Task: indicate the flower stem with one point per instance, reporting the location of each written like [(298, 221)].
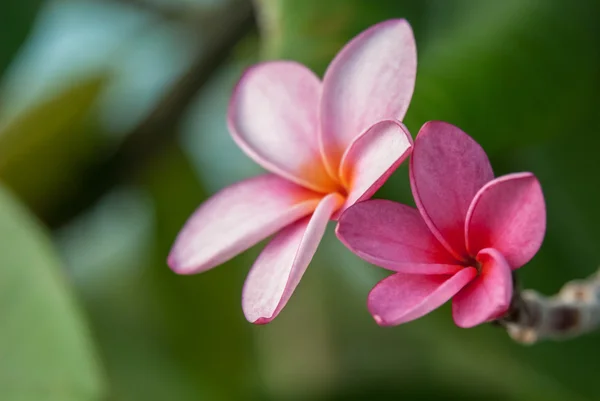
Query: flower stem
[(573, 311)]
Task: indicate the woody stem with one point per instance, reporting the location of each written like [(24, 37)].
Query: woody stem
[(573, 311)]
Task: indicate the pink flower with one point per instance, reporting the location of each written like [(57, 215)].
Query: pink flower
[(469, 232), (327, 145)]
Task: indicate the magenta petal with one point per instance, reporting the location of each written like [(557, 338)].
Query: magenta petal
[(372, 158), (371, 79), (488, 296), (394, 236), (508, 214), (280, 266), (447, 168), (236, 218), (273, 117), (401, 297)]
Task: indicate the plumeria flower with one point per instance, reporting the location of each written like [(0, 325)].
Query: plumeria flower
[(469, 232), (326, 144)]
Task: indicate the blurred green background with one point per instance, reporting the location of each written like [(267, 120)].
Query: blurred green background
[(112, 131)]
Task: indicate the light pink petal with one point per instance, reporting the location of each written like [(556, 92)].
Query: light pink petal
[(371, 79), (236, 218), (447, 168), (508, 214), (401, 297), (273, 117), (280, 266), (488, 296), (372, 158), (394, 236)]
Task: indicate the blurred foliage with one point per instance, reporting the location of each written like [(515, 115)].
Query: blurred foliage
[(520, 76), (45, 352), (312, 31), (512, 73), (157, 339), (214, 344), (16, 19), (53, 138)]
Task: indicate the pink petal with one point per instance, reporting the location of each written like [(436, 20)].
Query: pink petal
[(394, 236), (280, 266), (273, 118), (371, 79), (447, 168), (508, 214), (236, 218), (488, 296), (401, 297), (372, 158)]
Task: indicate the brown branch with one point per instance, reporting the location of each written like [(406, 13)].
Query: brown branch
[(574, 311), (220, 33), (228, 27)]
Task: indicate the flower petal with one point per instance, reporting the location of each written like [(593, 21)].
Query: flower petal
[(401, 297), (394, 236), (508, 214), (280, 266), (372, 158), (236, 218), (371, 79), (273, 117), (447, 168), (488, 296)]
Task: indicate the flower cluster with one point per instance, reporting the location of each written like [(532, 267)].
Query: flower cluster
[(328, 146), (468, 232)]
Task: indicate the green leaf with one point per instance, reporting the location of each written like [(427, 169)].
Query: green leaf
[(16, 19), (43, 151), (45, 348)]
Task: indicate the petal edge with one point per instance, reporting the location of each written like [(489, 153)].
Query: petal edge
[(273, 118), (508, 214), (280, 266), (393, 236), (447, 168), (401, 298), (236, 218), (372, 158), (488, 296), (371, 79)]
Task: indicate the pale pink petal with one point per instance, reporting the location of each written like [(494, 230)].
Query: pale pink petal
[(401, 297), (372, 158), (488, 296), (508, 214), (280, 266), (371, 79), (273, 117), (236, 218), (393, 236), (447, 168)]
